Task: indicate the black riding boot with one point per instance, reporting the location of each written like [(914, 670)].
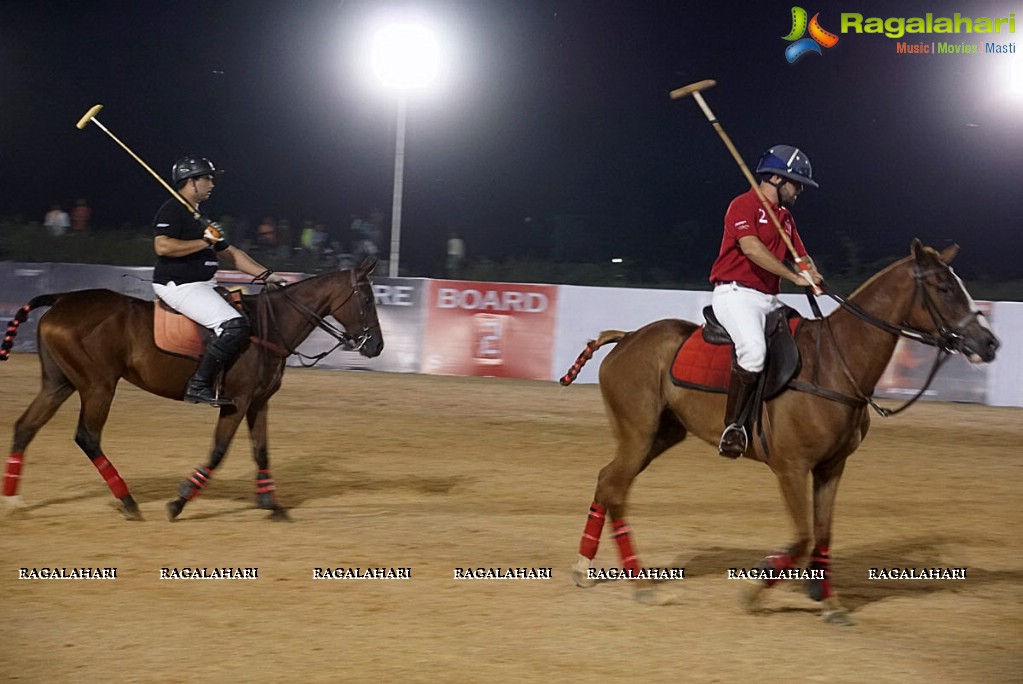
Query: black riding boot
[(200, 385), (220, 350), (735, 439)]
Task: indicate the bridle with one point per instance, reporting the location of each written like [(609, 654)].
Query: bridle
[(948, 339), (345, 340)]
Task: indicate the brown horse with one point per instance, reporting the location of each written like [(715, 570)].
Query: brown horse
[(90, 339), (811, 430)]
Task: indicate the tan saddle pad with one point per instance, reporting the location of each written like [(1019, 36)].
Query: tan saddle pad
[(178, 334)]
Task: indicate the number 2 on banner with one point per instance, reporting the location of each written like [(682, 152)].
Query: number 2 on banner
[(489, 338)]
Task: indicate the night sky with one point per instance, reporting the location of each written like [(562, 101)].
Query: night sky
[(552, 136)]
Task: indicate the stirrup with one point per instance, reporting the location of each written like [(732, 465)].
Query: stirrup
[(734, 441), (205, 395)]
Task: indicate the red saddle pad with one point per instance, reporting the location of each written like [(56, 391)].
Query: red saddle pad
[(701, 365), (706, 366)]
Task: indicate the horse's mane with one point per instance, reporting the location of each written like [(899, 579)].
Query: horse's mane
[(883, 272)]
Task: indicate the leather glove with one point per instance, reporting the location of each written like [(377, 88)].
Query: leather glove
[(213, 234)]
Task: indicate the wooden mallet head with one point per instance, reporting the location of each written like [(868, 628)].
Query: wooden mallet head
[(679, 93), (89, 116)]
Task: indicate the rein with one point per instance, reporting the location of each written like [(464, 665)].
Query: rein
[(345, 340), (945, 342)]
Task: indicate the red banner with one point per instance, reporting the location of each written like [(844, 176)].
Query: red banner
[(489, 329)]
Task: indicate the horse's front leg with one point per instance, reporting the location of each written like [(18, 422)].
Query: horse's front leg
[(826, 477), (227, 425), (792, 480), (266, 492)]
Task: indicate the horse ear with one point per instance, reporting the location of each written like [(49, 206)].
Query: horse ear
[(917, 249), (949, 253), (368, 264)]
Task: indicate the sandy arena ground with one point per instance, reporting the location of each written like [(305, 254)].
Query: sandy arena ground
[(436, 473)]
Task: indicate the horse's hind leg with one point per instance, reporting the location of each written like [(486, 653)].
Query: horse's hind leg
[(637, 448), (55, 391), (96, 402), (266, 491), (826, 477)]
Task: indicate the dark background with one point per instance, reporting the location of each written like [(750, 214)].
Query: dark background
[(553, 136)]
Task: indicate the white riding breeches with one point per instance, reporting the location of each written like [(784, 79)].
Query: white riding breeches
[(198, 301), (743, 313)]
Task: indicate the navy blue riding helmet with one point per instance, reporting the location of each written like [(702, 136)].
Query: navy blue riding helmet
[(788, 162)]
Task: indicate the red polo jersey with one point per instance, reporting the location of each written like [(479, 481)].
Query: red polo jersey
[(746, 216)]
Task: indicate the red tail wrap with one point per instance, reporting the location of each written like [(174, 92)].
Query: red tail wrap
[(591, 533), (13, 474)]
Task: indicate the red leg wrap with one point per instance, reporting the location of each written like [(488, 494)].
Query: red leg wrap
[(821, 560), (111, 476), (265, 485), (195, 483), (779, 562), (14, 462), (623, 535), (591, 533)]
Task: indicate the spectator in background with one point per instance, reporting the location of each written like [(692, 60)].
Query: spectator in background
[(57, 221), (320, 238), (285, 237), (266, 234), (80, 216), (306, 240), (456, 255)]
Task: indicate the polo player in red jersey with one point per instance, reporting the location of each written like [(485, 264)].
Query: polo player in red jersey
[(747, 277)]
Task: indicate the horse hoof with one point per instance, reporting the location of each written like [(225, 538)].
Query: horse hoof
[(581, 573), (750, 597), (14, 507), (652, 596), (174, 509), (130, 509), (838, 617), (279, 514), (582, 580)]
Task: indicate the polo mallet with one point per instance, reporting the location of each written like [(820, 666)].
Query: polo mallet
[(91, 116), (694, 90)]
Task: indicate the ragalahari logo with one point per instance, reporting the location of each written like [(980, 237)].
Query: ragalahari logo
[(803, 46)]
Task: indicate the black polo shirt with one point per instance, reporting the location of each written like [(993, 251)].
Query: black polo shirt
[(175, 221)]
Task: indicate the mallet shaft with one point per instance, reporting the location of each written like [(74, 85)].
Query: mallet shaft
[(800, 261), (91, 116)]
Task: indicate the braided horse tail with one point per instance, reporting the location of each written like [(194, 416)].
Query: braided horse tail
[(606, 337), (21, 317)]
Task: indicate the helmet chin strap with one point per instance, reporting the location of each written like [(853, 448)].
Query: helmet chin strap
[(777, 188)]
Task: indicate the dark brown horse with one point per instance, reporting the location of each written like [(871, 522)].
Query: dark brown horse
[(808, 432), (90, 339)]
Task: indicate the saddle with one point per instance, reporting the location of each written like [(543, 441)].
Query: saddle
[(704, 360), (178, 334)]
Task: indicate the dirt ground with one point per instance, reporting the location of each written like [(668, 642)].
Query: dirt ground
[(435, 473)]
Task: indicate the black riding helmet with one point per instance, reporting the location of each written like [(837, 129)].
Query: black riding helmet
[(192, 167), (788, 162)]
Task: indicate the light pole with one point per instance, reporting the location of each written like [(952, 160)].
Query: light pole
[(405, 57), (399, 181)]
